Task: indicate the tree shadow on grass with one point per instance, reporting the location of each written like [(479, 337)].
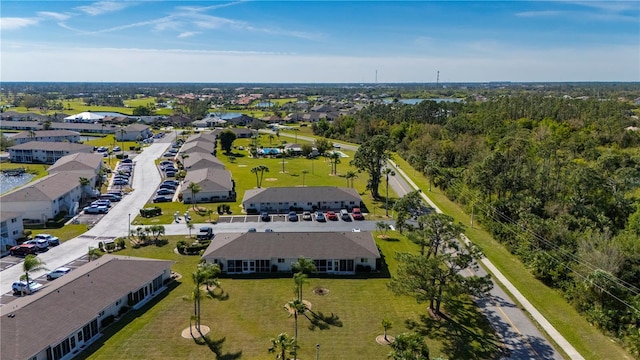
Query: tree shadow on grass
[(221, 295), (216, 347), (323, 322), (467, 336)]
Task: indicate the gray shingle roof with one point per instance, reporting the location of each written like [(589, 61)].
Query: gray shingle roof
[(45, 189), (51, 146), (45, 133), (298, 194), (77, 162), (209, 179), (313, 245), (65, 305), (200, 160)]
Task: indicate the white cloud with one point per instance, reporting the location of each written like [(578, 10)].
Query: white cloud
[(102, 7), (14, 23), (610, 63), (53, 15), (187, 34)]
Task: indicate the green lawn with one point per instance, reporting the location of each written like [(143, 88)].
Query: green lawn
[(253, 313), (588, 340), (318, 174)]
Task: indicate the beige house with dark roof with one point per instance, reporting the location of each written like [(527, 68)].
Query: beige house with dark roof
[(332, 252), (45, 152), (71, 312), (197, 161), (215, 185), (209, 137), (46, 135), (84, 165), (45, 198), (133, 132), (197, 146), (311, 198)]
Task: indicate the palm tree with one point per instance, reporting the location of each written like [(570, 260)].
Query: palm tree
[(195, 188), (205, 274), (84, 182), (304, 173), (335, 160), (282, 345), (350, 176), (271, 137), (281, 147), (263, 169), (122, 131), (409, 346), (296, 307), (386, 172), (190, 226), (31, 263), (94, 253), (255, 170), (301, 269)]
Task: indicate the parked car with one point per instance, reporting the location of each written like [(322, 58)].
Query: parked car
[(22, 286), (127, 161), (268, 230), (205, 233), (168, 186), (264, 216), (332, 215), (292, 216), (52, 240), (320, 216), (96, 209), (116, 148), (40, 244), (23, 250), (166, 162), (165, 192), (111, 196), (120, 182), (172, 182), (306, 215), (102, 202), (357, 214), (344, 214), (58, 273), (162, 198), (252, 230), (170, 174)]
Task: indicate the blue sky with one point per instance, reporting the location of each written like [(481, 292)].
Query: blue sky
[(319, 41)]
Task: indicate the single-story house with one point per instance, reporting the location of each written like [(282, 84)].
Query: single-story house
[(209, 137), (133, 132), (45, 198), (215, 185), (46, 135), (45, 152), (259, 252), (311, 198), (84, 127), (198, 160), (198, 146), (11, 229), (70, 313)]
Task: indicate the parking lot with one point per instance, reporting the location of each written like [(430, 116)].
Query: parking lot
[(227, 219), (9, 261)]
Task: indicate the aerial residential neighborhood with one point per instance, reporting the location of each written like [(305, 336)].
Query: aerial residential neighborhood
[(424, 180)]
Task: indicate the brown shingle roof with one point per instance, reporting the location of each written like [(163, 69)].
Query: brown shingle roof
[(46, 189), (295, 194), (200, 160), (209, 179), (77, 162), (64, 306)]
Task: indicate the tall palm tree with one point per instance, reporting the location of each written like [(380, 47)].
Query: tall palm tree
[(304, 173), (31, 263), (296, 307), (335, 160), (195, 188), (122, 131), (204, 274), (282, 345), (388, 172), (350, 175), (255, 170), (84, 182), (301, 269), (263, 169), (94, 253)]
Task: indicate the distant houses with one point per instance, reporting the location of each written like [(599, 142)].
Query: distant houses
[(44, 152), (46, 135)]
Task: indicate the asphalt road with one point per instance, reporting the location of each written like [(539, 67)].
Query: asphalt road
[(518, 332)]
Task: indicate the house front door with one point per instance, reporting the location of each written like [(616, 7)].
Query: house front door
[(248, 266)]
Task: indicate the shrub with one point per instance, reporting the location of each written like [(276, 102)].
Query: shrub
[(107, 320), (162, 242), (120, 243)]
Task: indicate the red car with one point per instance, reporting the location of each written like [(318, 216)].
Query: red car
[(332, 216), (23, 250), (357, 214)]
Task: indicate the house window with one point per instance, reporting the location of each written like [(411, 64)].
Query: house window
[(79, 335), (280, 261), (364, 260), (14, 220)]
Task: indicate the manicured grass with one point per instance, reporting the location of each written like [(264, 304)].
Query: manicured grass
[(588, 340), (39, 170), (253, 313), (65, 233)]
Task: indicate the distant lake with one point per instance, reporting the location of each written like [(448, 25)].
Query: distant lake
[(415, 101), (11, 182)]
